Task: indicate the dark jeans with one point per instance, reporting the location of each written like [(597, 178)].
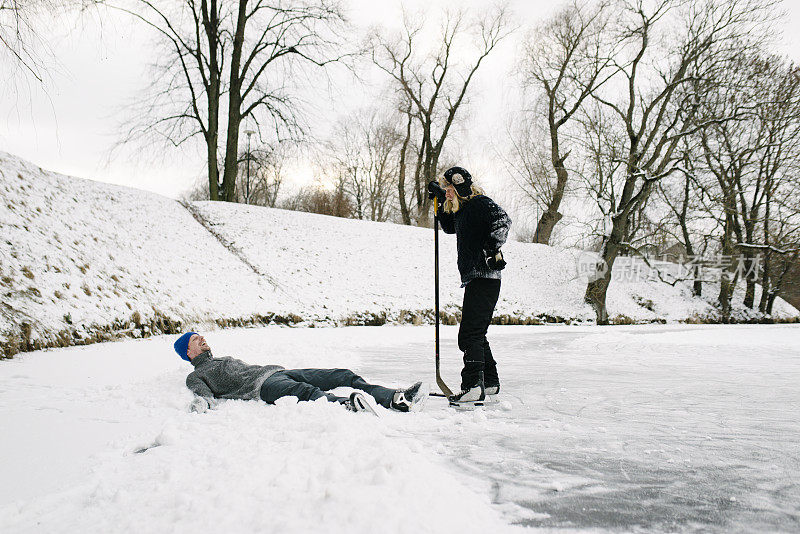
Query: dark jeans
[(311, 384), (480, 298)]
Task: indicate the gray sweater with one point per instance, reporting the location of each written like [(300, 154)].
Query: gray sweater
[(227, 378)]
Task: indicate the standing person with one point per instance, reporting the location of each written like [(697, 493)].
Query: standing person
[(481, 228), (229, 378)]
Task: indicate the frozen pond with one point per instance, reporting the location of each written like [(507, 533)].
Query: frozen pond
[(672, 428)]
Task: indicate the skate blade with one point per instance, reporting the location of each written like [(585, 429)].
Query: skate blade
[(364, 404), (424, 393), (491, 402), (466, 405)]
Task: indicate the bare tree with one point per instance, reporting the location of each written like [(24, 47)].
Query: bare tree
[(687, 214), (362, 154), (225, 61), (25, 51), (381, 144), (599, 171), (781, 231), (403, 163), (528, 164), (318, 199), (778, 169), (433, 88), (567, 58), (661, 83), (19, 38), (751, 159), (342, 161), (781, 250), (261, 184), (308, 32), (183, 98), (271, 173)]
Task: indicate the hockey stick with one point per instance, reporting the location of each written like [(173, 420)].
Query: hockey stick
[(446, 390)]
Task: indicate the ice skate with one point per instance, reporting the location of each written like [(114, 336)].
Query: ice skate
[(474, 395), (358, 402), (411, 399)]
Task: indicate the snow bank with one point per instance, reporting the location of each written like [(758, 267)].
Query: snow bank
[(84, 261), (131, 458), (78, 256), (249, 467), (647, 428), (342, 269)]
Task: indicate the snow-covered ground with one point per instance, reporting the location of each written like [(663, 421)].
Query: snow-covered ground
[(354, 267), (84, 260), (78, 255), (663, 428)]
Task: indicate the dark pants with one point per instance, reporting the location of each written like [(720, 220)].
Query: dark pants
[(480, 298), (311, 384)]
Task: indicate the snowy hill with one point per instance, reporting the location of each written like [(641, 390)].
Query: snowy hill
[(85, 261), (82, 259), (385, 271)]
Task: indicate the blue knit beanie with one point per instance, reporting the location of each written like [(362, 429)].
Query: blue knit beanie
[(182, 345)]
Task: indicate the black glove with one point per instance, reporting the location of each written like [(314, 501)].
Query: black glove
[(495, 261), (435, 191)]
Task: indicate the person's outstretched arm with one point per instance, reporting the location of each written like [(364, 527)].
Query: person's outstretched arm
[(204, 397)]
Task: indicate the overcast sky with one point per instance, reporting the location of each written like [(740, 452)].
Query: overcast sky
[(103, 63)]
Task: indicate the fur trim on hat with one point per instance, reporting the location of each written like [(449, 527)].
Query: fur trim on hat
[(452, 206)]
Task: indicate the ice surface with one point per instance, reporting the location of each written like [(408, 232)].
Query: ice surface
[(648, 429)]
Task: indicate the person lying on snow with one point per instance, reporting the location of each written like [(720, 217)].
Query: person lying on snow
[(229, 378)]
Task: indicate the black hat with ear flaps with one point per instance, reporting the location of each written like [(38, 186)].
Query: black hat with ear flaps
[(461, 179)]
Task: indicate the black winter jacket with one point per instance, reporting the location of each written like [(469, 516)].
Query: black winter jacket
[(480, 226)]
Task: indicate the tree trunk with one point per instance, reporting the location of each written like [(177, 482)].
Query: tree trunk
[(750, 281), (771, 302), (765, 276), (231, 169), (725, 289), (401, 182), (234, 108), (748, 261), (544, 228), (697, 286), (725, 296), (596, 296), (778, 283), (213, 168), (597, 290), (551, 216), (210, 27), (765, 285)]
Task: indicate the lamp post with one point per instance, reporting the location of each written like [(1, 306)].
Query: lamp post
[(249, 134)]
